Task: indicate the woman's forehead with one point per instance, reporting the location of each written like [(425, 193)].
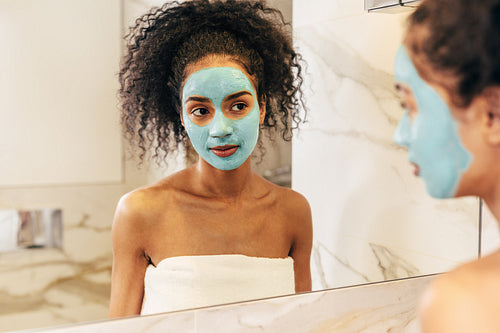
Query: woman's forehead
[(414, 42), (217, 81), (217, 61)]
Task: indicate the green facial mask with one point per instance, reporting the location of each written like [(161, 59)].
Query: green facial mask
[(216, 83), (432, 137)]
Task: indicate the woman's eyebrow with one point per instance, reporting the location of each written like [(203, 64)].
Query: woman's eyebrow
[(197, 99), (236, 95)]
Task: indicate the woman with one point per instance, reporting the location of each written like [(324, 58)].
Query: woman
[(215, 232), (448, 75)]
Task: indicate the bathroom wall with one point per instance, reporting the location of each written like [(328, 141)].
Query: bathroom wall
[(372, 218), (57, 92), (46, 287)]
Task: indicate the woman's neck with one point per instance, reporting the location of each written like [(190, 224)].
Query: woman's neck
[(224, 184), (494, 207)]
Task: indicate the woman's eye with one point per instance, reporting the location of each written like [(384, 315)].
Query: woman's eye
[(200, 112), (238, 107)]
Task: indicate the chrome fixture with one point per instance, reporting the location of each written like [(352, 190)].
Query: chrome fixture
[(390, 6), (28, 229)]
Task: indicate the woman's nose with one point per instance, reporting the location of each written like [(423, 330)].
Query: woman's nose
[(403, 132), (220, 126)]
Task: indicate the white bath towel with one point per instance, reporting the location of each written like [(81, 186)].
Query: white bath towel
[(185, 282)]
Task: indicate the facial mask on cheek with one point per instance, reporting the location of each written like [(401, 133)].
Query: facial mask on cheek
[(216, 83), (432, 138)]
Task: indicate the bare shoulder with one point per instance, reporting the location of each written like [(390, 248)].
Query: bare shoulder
[(291, 205), (146, 204), (298, 221), (465, 299), (297, 210), (133, 217), (138, 203), (293, 201)]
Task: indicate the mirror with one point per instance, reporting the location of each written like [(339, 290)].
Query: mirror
[(372, 218)]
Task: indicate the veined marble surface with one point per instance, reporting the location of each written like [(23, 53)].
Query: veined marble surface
[(372, 218), (47, 287), (381, 307)]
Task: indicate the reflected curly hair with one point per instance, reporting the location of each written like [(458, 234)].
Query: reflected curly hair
[(166, 40), (463, 39)]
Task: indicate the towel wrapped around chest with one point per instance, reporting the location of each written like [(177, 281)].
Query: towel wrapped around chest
[(186, 282)]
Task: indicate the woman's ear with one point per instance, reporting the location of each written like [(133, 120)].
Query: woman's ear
[(492, 114), (262, 107), (181, 115)]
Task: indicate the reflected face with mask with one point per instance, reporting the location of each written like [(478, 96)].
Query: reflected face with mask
[(429, 131), (221, 114)]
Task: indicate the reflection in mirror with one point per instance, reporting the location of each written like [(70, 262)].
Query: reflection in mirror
[(214, 232), (50, 286)]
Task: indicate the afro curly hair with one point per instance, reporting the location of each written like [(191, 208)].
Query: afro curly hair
[(166, 40)]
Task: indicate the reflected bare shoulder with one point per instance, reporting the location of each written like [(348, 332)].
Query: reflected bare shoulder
[(464, 300), (134, 223), (299, 221), (148, 204), (295, 204)]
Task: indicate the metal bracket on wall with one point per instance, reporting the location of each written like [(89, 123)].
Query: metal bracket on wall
[(390, 6)]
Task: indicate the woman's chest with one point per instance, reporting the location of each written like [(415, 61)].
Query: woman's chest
[(201, 230)]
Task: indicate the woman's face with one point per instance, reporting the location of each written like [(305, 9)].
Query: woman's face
[(221, 113), (429, 131)]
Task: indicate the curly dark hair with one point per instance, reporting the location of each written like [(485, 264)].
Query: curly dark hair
[(463, 39), (166, 40)]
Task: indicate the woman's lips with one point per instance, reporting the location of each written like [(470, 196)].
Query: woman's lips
[(416, 170), (224, 151)]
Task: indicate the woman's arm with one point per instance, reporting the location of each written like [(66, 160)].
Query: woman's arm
[(129, 261), (302, 243)]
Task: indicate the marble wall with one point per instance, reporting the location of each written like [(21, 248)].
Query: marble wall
[(382, 307), (47, 287), (372, 218)]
